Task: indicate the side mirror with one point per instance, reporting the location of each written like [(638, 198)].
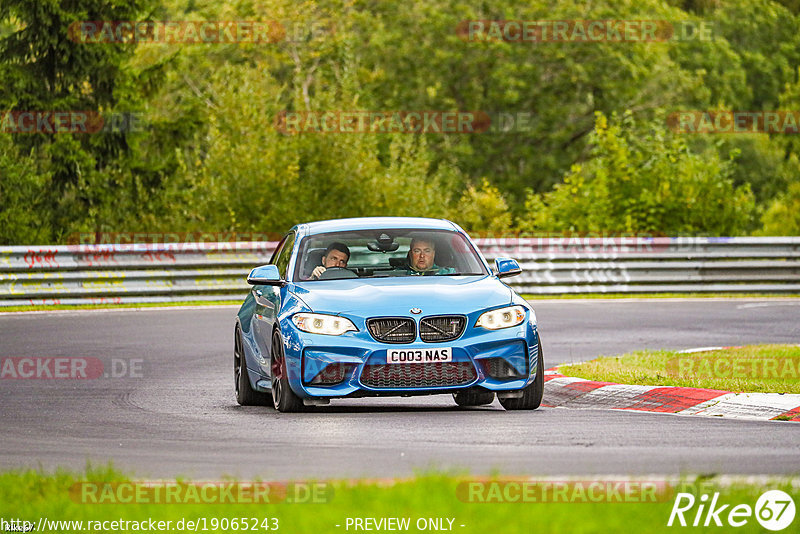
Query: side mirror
[(266, 275), (506, 267)]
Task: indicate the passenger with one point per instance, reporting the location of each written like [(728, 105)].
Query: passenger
[(421, 256), (336, 255)]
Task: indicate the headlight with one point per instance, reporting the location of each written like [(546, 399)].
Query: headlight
[(317, 323), (502, 318)]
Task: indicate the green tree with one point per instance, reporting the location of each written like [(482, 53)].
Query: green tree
[(782, 216), (242, 173), (644, 180), (413, 58), (24, 218), (97, 181), (483, 210), (211, 158), (781, 203), (766, 36)]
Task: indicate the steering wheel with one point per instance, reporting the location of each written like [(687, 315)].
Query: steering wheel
[(336, 273)]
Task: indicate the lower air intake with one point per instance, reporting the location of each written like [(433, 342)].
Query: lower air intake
[(333, 373), (500, 369), (418, 375)]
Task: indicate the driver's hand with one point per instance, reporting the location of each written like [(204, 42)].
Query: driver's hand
[(317, 272)]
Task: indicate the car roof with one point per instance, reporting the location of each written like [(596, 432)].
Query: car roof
[(368, 223)]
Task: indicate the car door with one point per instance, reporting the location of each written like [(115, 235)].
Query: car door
[(268, 299)]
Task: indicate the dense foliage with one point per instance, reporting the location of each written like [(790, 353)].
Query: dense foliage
[(589, 152), (643, 181)]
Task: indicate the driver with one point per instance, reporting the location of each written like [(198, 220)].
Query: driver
[(336, 255), (421, 255)]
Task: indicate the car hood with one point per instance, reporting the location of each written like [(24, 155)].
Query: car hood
[(396, 296)]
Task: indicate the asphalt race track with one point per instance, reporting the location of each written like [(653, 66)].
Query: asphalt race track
[(177, 415)]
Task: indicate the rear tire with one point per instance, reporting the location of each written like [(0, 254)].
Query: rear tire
[(283, 398), (245, 394), (473, 397), (532, 394)]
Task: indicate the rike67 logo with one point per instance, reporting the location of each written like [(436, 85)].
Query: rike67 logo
[(774, 510)]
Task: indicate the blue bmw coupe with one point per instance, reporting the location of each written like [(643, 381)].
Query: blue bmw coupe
[(384, 306)]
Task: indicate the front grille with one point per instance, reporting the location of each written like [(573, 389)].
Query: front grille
[(392, 329), (418, 375), (438, 328), (500, 369)]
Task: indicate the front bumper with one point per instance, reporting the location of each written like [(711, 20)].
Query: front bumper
[(354, 364)]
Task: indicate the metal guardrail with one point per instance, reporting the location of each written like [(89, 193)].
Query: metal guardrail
[(128, 273), (652, 265), (170, 272)]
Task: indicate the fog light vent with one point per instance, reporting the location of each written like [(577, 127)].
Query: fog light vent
[(500, 369), (333, 373)]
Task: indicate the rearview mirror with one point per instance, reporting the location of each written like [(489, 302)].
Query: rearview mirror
[(506, 267), (383, 243), (266, 275)]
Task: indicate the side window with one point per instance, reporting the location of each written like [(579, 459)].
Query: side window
[(283, 254), (278, 249)]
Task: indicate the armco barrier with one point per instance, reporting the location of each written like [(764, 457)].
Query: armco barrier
[(128, 273), (169, 272), (652, 265)]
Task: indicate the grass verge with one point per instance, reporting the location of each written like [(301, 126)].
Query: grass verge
[(566, 296), (49, 307), (754, 368), (452, 502)]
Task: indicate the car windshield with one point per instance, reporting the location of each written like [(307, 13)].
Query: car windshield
[(388, 253)]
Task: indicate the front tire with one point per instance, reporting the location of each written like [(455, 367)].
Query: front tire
[(245, 394), (532, 394), (283, 398)]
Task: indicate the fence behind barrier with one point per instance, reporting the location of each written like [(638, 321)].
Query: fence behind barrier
[(168, 272)]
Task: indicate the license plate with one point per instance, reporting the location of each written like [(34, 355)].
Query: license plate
[(426, 355)]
